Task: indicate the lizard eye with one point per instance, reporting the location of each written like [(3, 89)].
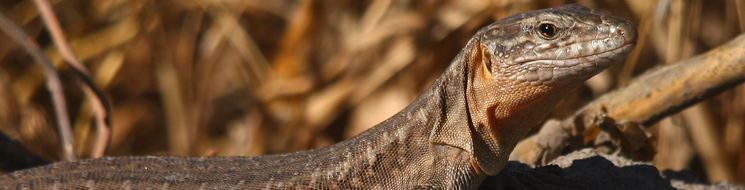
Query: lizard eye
[(547, 30)]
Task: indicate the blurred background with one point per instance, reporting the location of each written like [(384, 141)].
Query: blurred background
[(253, 77)]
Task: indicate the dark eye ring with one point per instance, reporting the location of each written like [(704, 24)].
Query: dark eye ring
[(547, 30)]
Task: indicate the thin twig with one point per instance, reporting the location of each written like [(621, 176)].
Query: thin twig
[(100, 103), (53, 83)]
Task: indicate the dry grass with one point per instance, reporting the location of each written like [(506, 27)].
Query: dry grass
[(258, 77)]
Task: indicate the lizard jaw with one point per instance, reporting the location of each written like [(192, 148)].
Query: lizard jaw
[(565, 71)]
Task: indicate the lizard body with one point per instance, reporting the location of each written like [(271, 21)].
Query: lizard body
[(503, 83)]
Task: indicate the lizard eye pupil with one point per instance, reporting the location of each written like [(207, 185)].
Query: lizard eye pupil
[(547, 30)]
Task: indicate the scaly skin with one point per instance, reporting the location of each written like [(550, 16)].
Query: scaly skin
[(503, 83)]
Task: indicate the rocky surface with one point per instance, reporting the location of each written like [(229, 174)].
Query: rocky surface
[(586, 169)]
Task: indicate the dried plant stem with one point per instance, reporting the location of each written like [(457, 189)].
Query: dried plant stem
[(100, 104), (53, 83)]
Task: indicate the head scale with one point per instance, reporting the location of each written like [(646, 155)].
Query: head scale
[(561, 45)]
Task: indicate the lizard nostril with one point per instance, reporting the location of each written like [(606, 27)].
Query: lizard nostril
[(621, 32)]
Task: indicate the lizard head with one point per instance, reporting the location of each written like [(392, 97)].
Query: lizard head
[(523, 65), (566, 45)]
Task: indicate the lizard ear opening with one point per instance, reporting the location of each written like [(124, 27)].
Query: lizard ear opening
[(483, 57)]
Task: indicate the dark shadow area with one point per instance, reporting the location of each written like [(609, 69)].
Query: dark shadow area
[(591, 173), (14, 156)]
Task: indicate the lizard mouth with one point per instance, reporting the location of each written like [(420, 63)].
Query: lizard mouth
[(578, 61)]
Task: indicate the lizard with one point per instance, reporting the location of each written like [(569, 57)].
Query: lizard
[(504, 82)]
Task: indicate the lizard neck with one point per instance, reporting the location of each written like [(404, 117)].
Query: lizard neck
[(500, 110)]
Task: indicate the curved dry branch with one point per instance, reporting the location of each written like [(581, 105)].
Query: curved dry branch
[(99, 101), (652, 96), (53, 83)]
